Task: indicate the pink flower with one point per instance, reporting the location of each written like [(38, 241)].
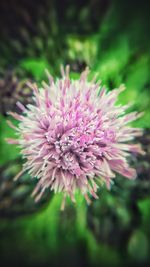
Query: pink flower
[(74, 137)]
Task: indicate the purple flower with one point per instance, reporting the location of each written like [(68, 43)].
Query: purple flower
[(75, 137)]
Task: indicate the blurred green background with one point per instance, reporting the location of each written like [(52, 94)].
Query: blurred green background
[(112, 37)]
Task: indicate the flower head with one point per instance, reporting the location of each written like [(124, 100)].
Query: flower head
[(75, 137)]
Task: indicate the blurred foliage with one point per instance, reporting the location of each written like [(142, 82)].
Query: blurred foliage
[(12, 90), (15, 197), (112, 37)]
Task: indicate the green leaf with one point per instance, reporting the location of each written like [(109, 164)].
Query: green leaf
[(36, 66)]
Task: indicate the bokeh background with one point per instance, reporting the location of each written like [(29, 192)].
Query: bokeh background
[(112, 37)]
